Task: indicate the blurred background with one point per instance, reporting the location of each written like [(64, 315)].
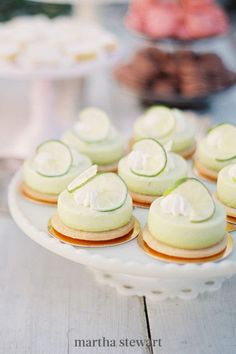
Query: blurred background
[(185, 68)]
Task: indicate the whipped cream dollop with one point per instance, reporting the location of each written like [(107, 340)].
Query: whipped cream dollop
[(139, 160), (42, 158), (232, 172), (86, 197), (214, 139), (150, 120), (77, 157), (83, 127), (175, 205), (46, 163)]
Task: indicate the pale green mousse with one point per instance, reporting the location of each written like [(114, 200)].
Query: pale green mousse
[(226, 188), (84, 218), (207, 156), (180, 232), (52, 185), (181, 140), (105, 152), (153, 185)]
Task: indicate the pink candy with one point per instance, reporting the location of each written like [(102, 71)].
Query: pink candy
[(183, 19)]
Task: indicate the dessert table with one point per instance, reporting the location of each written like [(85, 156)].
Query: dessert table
[(48, 303)]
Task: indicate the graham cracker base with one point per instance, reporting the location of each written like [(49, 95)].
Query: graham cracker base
[(205, 172), (37, 197), (95, 240), (170, 251), (142, 200), (108, 168), (58, 225)]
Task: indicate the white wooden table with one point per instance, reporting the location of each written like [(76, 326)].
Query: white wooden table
[(47, 302)]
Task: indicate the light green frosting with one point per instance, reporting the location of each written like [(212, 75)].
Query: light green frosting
[(153, 185), (181, 140), (179, 232), (207, 156), (86, 219), (102, 153), (226, 188), (52, 185)]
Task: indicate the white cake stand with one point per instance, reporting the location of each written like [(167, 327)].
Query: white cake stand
[(125, 267), (43, 120)]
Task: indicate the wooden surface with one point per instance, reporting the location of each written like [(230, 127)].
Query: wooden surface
[(47, 302)]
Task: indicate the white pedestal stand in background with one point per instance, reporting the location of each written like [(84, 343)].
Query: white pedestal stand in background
[(44, 121)]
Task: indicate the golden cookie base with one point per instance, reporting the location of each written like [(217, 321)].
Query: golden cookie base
[(188, 153), (118, 240), (113, 167), (174, 255), (142, 200), (231, 215), (203, 171), (37, 197)]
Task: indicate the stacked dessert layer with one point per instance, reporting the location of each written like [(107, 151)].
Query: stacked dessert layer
[(156, 73), (37, 42), (185, 20)]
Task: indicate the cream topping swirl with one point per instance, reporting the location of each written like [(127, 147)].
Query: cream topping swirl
[(86, 197), (214, 139), (139, 160), (42, 158), (175, 205)]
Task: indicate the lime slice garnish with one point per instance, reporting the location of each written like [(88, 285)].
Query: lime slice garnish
[(148, 158), (109, 192), (83, 178), (93, 125), (222, 139), (197, 195), (53, 158), (159, 122)]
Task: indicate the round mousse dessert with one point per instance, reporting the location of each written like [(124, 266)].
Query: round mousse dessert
[(165, 124), (216, 151), (96, 137), (50, 169), (186, 222), (94, 207), (226, 189), (148, 170)]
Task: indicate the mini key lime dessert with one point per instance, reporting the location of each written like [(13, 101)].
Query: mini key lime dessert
[(186, 222), (148, 170), (50, 169), (216, 150), (226, 189), (95, 136), (165, 124), (94, 207)]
